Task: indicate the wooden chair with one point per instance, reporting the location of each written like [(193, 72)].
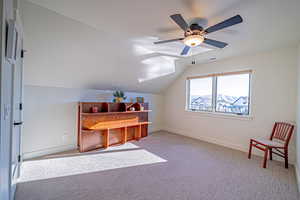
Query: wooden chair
[(279, 141)]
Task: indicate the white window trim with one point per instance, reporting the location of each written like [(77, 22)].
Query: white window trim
[(214, 113), (221, 115)]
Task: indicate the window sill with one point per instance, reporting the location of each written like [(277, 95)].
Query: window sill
[(221, 115)]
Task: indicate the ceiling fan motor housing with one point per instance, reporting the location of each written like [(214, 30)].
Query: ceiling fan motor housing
[(196, 27)]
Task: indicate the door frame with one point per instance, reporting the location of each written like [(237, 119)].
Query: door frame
[(6, 13), (18, 51), (4, 135)]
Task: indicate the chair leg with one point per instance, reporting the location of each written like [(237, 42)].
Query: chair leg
[(265, 158), (286, 159), (250, 149), (271, 157)]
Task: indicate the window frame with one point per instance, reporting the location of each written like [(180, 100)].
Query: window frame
[(215, 92)]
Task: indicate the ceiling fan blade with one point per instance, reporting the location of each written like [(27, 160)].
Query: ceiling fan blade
[(165, 41), (185, 50), (228, 22), (178, 19), (215, 43)]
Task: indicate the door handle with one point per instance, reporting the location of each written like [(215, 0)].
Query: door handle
[(18, 123)]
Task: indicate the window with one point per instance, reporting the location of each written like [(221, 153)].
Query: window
[(220, 93), (201, 94)]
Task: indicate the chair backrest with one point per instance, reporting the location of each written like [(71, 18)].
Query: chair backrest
[(282, 131)]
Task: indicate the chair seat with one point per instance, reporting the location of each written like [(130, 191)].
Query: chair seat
[(270, 143)]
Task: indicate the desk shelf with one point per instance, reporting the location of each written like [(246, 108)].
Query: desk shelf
[(112, 113), (113, 124)]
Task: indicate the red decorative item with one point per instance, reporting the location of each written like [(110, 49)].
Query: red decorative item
[(95, 109)]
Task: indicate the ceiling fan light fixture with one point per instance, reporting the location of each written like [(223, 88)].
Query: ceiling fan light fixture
[(193, 40)]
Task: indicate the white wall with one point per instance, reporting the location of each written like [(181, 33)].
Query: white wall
[(273, 99), (50, 116), (64, 53), (297, 165)]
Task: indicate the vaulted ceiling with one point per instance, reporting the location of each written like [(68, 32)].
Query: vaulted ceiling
[(109, 44)]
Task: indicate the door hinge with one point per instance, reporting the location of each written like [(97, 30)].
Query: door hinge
[(19, 158), (21, 106), (22, 53)]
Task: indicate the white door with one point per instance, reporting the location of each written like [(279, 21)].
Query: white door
[(17, 117)]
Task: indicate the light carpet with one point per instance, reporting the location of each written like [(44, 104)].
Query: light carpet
[(162, 166)]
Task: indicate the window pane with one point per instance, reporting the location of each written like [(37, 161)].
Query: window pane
[(201, 94), (233, 94)]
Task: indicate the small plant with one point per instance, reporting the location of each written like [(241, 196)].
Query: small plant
[(119, 96)]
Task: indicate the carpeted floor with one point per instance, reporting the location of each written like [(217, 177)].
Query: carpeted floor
[(162, 166)]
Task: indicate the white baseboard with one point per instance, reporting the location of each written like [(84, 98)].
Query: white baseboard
[(207, 139), (57, 149), (243, 148), (153, 128), (47, 151)]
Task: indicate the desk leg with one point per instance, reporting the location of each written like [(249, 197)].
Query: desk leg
[(124, 131), (80, 143), (106, 138), (81, 149), (139, 132)]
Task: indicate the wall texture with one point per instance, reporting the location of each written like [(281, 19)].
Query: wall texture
[(273, 99), (50, 116)]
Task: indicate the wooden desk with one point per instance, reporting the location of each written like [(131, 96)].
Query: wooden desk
[(114, 124)]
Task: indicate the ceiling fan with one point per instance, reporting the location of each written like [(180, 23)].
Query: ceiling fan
[(194, 34)]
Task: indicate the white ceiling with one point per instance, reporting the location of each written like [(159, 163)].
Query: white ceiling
[(134, 24)]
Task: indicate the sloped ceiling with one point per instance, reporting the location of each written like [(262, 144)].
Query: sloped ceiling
[(108, 44)]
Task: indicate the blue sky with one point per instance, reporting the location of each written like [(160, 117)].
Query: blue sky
[(231, 85)]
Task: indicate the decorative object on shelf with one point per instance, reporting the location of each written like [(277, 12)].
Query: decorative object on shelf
[(140, 99), (142, 108), (95, 109), (119, 96), (134, 107)]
